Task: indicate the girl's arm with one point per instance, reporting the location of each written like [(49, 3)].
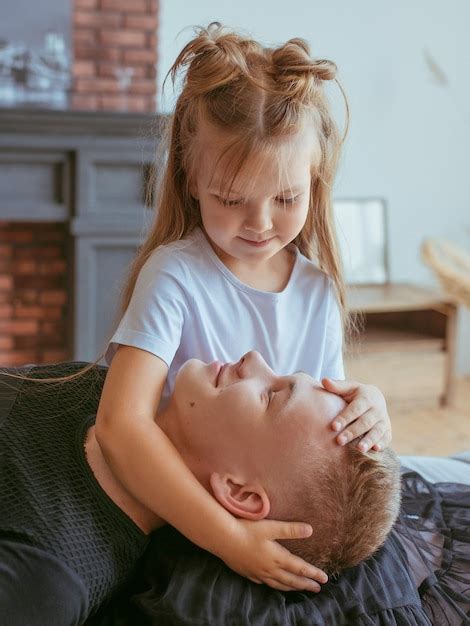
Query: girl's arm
[(145, 460)]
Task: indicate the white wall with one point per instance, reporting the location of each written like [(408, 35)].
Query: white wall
[(410, 132), (28, 22)]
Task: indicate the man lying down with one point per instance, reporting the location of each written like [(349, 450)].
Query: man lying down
[(70, 534)]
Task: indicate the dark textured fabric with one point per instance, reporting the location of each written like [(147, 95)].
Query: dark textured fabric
[(420, 576), (188, 586), (49, 498), (37, 589), (435, 532)]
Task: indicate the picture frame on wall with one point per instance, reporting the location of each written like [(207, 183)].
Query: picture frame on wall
[(361, 225)]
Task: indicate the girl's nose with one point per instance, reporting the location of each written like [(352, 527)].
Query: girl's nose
[(259, 220)]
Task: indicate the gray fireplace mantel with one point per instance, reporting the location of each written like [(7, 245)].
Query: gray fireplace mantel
[(67, 122), (90, 170)]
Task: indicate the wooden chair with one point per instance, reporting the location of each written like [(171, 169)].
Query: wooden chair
[(451, 265)]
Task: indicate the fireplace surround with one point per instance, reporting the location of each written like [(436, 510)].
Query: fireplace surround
[(72, 213)]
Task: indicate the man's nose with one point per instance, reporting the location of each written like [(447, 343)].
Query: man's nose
[(259, 219), (255, 365)]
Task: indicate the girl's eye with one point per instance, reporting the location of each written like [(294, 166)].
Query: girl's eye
[(229, 202), (285, 201), (282, 201)]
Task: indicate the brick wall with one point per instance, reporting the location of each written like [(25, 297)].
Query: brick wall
[(34, 299), (110, 34), (36, 265)]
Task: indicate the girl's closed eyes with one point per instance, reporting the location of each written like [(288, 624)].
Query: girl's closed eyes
[(282, 201)]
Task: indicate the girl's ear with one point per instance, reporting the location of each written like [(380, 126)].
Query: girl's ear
[(193, 189), (242, 500)]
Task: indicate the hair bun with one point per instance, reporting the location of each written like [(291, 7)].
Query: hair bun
[(214, 58), (292, 62)]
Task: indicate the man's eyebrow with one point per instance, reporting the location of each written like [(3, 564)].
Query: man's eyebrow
[(293, 388)]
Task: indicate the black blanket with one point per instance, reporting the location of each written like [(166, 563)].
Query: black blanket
[(421, 576)]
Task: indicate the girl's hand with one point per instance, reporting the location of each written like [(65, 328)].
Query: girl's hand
[(255, 554), (366, 414)]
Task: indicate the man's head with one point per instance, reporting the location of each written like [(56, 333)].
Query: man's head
[(261, 444)]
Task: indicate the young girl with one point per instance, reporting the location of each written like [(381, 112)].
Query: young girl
[(242, 256), (243, 208)]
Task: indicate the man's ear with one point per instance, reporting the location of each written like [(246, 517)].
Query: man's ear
[(249, 501)]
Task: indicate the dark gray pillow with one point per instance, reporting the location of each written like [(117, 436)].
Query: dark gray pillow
[(188, 586)]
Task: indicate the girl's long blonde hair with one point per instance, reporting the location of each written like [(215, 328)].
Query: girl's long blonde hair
[(255, 96)]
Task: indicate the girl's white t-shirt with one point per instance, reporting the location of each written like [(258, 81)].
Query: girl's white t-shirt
[(187, 304)]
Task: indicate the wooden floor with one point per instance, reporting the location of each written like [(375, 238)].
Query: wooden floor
[(430, 429)]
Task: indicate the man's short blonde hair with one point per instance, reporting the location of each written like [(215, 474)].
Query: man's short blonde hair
[(351, 500)]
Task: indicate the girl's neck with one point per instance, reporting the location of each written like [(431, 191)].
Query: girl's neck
[(270, 275)]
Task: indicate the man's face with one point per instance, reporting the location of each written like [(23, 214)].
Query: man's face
[(243, 416)]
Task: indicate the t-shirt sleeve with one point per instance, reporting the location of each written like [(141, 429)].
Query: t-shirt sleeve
[(155, 316), (333, 366)]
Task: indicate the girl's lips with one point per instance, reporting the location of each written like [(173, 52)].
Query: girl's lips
[(257, 244)]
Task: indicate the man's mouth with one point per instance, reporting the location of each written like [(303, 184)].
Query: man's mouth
[(219, 374)]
